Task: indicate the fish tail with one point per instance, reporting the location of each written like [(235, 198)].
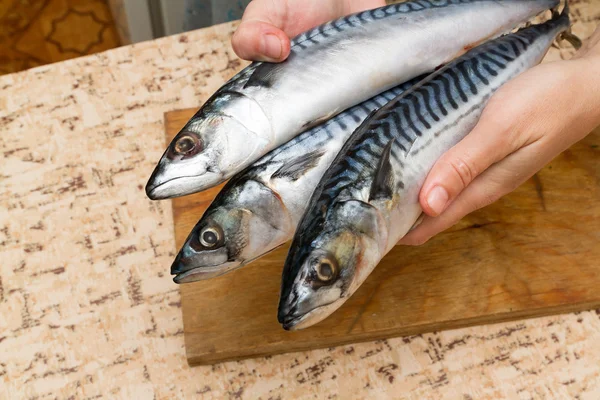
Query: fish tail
[(561, 18), (567, 35)]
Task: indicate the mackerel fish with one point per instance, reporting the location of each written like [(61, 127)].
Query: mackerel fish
[(368, 198)]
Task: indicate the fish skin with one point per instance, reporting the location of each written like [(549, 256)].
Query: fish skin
[(330, 68), (364, 204), (272, 194)]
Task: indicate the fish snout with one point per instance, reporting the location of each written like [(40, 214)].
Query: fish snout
[(160, 185), (152, 193), (180, 265), (154, 183), (287, 312), (191, 266), (293, 311), (206, 261), (288, 318)]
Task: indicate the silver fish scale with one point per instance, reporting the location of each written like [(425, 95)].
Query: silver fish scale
[(334, 127), (330, 29)]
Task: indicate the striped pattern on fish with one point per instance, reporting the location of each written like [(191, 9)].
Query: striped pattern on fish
[(368, 198), (330, 69), (316, 35), (270, 196)]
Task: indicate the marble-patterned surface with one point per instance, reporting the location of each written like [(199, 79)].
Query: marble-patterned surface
[(88, 309)]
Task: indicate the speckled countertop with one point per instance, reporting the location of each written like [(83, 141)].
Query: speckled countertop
[(88, 309)]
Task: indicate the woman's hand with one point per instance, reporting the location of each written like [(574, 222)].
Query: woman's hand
[(267, 25), (528, 122)]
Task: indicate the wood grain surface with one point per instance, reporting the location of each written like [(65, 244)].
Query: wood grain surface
[(534, 252)]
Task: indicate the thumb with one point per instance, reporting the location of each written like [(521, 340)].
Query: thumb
[(267, 25), (457, 168), (258, 37)]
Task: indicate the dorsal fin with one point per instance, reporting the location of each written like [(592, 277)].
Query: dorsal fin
[(383, 183), (298, 166)]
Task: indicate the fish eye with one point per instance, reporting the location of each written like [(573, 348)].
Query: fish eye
[(210, 237), (188, 143), (184, 145), (326, 269)]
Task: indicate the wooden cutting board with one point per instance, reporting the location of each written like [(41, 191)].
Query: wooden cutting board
[(535, 252)]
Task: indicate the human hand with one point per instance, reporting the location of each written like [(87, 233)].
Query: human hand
[(527, 123), (267, 25)]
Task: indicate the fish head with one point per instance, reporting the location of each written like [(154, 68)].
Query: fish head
[(327, 262), (212, 147), (244, 222), (207, 251)]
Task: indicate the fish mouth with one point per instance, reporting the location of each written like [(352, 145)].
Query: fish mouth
[(188, 269), (204, 273), (181, 185), (291, 322)]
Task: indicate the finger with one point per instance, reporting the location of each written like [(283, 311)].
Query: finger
[(267, 25), (458, 167), (259, 36), (260, 41), (352, 6), (477, 195), (520, 113), (497, 181)]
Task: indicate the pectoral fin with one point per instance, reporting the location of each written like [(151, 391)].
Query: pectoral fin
[(319, 121), (263, 75), (363, 217), (298, 166), (384, 183)]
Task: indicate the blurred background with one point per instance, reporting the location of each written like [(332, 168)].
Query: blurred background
[(38, 32)]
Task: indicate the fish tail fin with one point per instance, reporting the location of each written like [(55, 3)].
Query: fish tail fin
[(567, 35)]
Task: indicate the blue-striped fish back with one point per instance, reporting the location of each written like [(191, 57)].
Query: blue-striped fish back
[(409, 115), (332, 28)]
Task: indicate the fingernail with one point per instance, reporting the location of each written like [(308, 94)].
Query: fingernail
[(437, 199), (272, 47)]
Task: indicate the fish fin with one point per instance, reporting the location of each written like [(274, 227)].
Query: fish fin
[(299, 165), (262, 76), (571, 38), (363, 217), (383, 184), (319, 121)]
